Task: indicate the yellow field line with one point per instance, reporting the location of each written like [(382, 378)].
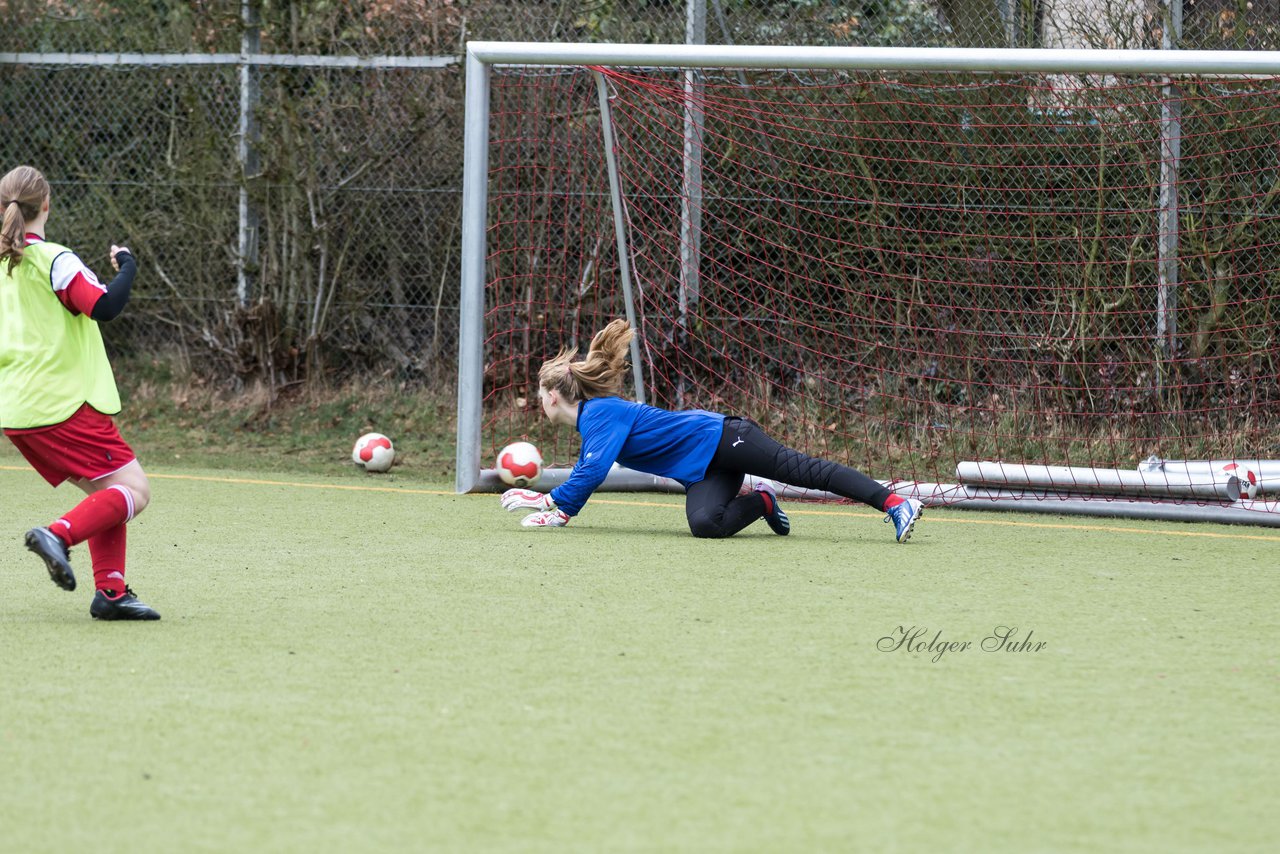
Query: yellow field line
[(1267, 538), (792, 510), (256, 482), (1061, 526)]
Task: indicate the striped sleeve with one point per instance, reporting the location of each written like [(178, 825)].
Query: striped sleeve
[(75, 285)]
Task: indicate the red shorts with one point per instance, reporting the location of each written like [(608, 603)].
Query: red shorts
[(87, 445)]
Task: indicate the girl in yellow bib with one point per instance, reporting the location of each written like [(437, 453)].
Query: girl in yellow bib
[(58, 393)]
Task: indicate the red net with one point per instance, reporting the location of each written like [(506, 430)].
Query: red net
[(901, 271)]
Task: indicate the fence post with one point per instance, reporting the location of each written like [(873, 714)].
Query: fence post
[(247, 244), (691, 198), (1167, 227)]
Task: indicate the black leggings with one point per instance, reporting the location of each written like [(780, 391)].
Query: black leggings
[(713, 506)]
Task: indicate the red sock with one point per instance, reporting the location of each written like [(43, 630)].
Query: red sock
[(768, 502), (106, 550), (101, 511), (893, 500)]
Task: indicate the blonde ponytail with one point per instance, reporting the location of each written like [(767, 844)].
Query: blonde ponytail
[(22, 194), (599, 374)]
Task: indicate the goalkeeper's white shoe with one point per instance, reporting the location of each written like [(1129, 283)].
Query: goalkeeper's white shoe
[(904, 517)]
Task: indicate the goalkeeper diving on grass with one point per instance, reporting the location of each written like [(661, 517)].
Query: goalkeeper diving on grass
[(708, 453)]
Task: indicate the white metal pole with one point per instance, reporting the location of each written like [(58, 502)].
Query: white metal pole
[(995, 60), (1159, 483)]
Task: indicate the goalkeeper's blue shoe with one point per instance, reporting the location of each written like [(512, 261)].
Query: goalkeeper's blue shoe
[(904, 516), (773, 513)]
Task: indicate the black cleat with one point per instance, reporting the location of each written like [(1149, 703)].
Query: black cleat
[(54, 553), (773, 514), (126, 607)]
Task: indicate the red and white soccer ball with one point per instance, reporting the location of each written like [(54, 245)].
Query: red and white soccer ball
[(1245, 476), (373, 452), (519, 464)]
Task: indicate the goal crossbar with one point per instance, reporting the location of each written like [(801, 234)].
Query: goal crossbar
[(995, 60)]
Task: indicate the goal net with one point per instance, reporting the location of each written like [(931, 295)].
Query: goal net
[(1034, 277)]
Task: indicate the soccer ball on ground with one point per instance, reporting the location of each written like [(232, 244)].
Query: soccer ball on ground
[(519, 464), (1245, 476), (373, 452)]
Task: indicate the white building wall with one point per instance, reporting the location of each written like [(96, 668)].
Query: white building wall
[(1104, 24)]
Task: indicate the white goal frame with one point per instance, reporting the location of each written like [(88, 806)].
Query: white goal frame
[(483, 56)]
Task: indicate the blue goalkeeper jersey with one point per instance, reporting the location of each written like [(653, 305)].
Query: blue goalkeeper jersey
[(678, 445)]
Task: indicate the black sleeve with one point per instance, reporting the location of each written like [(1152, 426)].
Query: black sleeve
[(110, 304)]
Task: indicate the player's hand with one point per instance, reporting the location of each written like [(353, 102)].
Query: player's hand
[(527, 499), (550, 519), (116, 250)]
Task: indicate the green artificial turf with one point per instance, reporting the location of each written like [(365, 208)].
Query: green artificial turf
[(392, 667)]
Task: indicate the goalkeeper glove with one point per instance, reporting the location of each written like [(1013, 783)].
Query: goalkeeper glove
[(550, 519), (527, 499)]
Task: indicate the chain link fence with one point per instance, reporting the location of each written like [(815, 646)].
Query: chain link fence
[(354, 180)]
